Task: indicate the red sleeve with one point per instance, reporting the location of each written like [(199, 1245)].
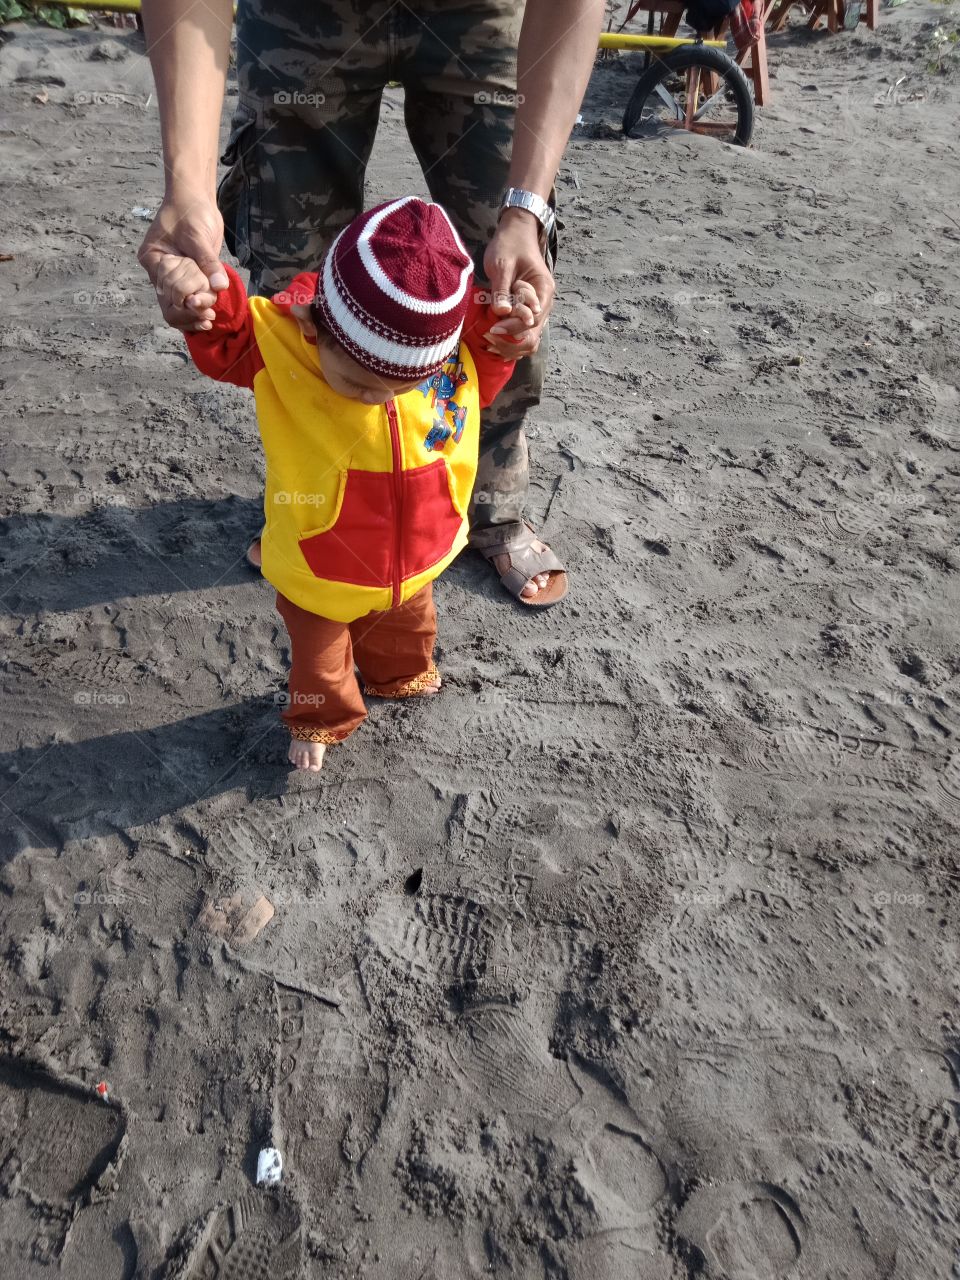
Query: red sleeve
[(228, 351), (493, 373)]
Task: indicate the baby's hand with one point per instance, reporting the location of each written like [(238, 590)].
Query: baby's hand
[(506, 337), (186, 286)]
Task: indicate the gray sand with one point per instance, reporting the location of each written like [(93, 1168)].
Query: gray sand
[(634, 954)]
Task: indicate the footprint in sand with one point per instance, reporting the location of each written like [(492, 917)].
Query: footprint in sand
[(331, 1088), (742, 1231), (949, 784), (623, 1176), (505, 1059), (257, 1238), (57, 1141), (439, 939)]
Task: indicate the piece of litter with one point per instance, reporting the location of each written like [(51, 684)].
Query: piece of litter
[(141, 211), (579, 120), (104, 1090), (269, 1167), (6, 257), (238, 918), (41, 97)]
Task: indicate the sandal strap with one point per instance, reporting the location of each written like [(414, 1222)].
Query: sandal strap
[(524, 558), (514, 581)]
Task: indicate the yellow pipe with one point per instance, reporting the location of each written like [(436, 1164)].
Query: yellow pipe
[(106, 6), (652, 44)]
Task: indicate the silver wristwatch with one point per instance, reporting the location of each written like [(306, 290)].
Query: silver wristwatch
[(518, 198)]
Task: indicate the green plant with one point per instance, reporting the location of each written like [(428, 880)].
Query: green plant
[(944, 46), (51, 15)]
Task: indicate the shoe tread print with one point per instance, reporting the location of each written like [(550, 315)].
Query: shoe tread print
[(255, 1238), (62, 1135)]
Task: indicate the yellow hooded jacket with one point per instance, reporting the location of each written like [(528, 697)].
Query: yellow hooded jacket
[(365, 504)]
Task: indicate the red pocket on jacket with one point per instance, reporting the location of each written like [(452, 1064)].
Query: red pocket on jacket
[(373, 527), (431, 521), (359, 548)]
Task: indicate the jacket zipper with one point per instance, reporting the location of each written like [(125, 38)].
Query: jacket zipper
[(397, 497)]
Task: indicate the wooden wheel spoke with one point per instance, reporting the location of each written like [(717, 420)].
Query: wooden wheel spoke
[(693, 93)]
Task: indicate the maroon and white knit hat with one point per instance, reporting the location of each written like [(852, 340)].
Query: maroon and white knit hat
[(394, 288)]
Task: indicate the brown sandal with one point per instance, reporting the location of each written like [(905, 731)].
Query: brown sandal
[(526, 563)]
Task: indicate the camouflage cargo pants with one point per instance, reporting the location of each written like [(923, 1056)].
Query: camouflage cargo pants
[(311, 78)]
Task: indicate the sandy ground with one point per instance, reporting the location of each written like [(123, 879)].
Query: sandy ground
[(634, 954)]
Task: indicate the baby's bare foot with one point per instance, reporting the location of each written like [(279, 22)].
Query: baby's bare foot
[(306, 755)]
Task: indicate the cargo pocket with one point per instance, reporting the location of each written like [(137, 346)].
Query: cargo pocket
[(238, 195)]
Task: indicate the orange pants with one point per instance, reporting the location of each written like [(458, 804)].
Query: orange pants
[(392, 649)]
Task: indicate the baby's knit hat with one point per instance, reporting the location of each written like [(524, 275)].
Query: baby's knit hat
[(394, 288)]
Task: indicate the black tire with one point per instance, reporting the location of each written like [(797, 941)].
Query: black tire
[(679, 62)]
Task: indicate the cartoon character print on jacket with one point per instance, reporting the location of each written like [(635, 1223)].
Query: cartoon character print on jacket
[(441, 387)]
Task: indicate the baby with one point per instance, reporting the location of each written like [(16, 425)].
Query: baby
[(369, 377)]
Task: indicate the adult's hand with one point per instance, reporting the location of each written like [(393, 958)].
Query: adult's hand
[(181, 255), (513, 259)]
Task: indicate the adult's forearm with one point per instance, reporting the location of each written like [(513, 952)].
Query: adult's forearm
[(558, 46), (189, 46)]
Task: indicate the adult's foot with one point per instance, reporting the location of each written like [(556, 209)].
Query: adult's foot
[(528, 569), (532, 588)]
